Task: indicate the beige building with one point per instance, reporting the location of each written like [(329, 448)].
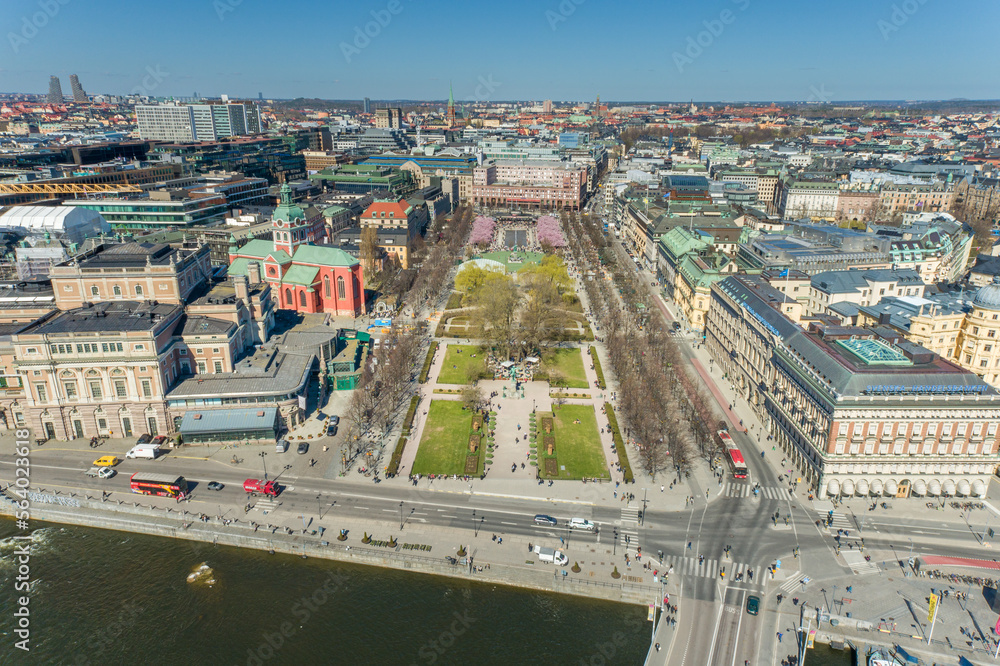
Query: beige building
[(936, 198)]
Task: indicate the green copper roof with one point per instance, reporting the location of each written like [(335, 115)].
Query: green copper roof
[(286, 210), (300, 275), (323, 256), (260, 249)]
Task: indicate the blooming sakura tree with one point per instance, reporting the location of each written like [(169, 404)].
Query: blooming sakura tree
[(482, 230), (549, 231)]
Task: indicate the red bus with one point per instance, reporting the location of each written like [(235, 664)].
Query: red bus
[(736, 462), (164, 485)]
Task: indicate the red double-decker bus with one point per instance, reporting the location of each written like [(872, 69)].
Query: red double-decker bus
[(164, 485), (733, 454)]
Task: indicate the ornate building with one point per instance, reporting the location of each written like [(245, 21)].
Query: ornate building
[(303, 276)]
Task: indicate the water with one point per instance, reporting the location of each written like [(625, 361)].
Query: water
[(824, 655), (104, 597)]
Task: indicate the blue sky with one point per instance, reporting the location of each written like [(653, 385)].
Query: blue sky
[(561, 50)]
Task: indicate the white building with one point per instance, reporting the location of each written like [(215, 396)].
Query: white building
[(66, 222)]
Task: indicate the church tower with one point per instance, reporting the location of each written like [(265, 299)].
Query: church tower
[(451, 107), (289, 224)]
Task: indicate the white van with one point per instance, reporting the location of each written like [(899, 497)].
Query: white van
[(581, 524), (143, 451), (550, 555), (281, 446)]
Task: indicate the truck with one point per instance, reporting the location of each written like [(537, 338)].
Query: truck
[(143, 451), (550, 555), (260, 487)]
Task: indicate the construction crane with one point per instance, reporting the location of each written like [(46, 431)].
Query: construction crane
[(64, 188)]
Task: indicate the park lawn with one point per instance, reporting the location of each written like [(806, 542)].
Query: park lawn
[(569, 362), (457, 374), (578, 445), (445, 441), (454, 301)]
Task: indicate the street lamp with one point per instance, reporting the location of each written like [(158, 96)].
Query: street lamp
[(642, 521), (263, 454), (401, 515), (615, 543)]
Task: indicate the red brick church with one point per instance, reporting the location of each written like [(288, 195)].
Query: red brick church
[(304, 277)]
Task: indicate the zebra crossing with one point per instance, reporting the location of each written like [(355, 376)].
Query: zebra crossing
[(794, 583), (710, 568), (266, 504), (628, 533), (858, 564), (840, 521), (740, 490)]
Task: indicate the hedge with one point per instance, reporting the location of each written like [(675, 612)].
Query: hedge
[(616, 435), (597, 367), (397, 456), (427, 362), (410, 413)]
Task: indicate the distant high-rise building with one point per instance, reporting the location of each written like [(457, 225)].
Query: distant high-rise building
[(196, 94), (389, 118), (197, 122), (547, 106), (55, 91), (79, 95), (597, 107), (368, 105)]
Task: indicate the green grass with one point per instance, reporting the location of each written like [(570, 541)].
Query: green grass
[(578, 445), (445, 441), (458, 374), (569, 363), (454, 301)]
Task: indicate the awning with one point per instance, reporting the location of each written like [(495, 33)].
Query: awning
[(506, 364), (964, 487), (948, 487), (919, 487), (934, 488), (848, 489), (876, 487), (532, 359), (891, 488), (978, 488), (833, 488), (862, 487)]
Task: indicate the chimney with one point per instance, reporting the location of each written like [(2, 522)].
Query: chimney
[(253, 272), (242, 287)]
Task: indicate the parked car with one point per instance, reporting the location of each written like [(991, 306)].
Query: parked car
[(159, 441), (215, 485), (106, 472), (542, 519), (332, 431), (753, 605), (106, 461), (281, 446), (144, 439), (335, 420), (303, 447)]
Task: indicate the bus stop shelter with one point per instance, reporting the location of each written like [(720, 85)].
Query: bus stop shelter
[(229, 425)]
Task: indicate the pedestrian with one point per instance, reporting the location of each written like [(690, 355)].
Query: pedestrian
[(661, 487), (657, 647), (779, 636)]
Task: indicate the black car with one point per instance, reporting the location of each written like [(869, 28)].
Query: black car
[(303, 447), (144, 438), (215, 485), (332, 430)]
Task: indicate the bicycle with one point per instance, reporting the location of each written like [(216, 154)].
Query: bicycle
[(237, 461)]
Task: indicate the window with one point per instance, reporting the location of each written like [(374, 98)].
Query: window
[(116, 290), (843, 429), (70, 388), (341, 288), (218, 366), (120, 390), (94, 291), (215, 350), (202, 368), (326, 286), (43, 393), (302, 298), (95, 389), (288, 297), (147, 388), (140, 347), (184, 352), (138, 290)]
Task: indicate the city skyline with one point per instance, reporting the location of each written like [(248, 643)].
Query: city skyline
[(866, 51)]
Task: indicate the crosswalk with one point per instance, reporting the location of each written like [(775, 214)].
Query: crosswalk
[(859, 565), (840, 521), (266, 504), (794, 583), (739, 490), (628, 533), (710, 568)]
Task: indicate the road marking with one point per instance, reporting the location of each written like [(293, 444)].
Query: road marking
[(503, 522), (715, 633), (739, 623)]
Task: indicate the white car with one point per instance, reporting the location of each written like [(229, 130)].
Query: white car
[(106, 473), (581, 524)]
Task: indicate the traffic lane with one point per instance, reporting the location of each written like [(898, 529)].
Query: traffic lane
[(695, 616), (727, 646)]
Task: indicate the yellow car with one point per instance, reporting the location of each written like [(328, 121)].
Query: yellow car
[(106, 461)]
